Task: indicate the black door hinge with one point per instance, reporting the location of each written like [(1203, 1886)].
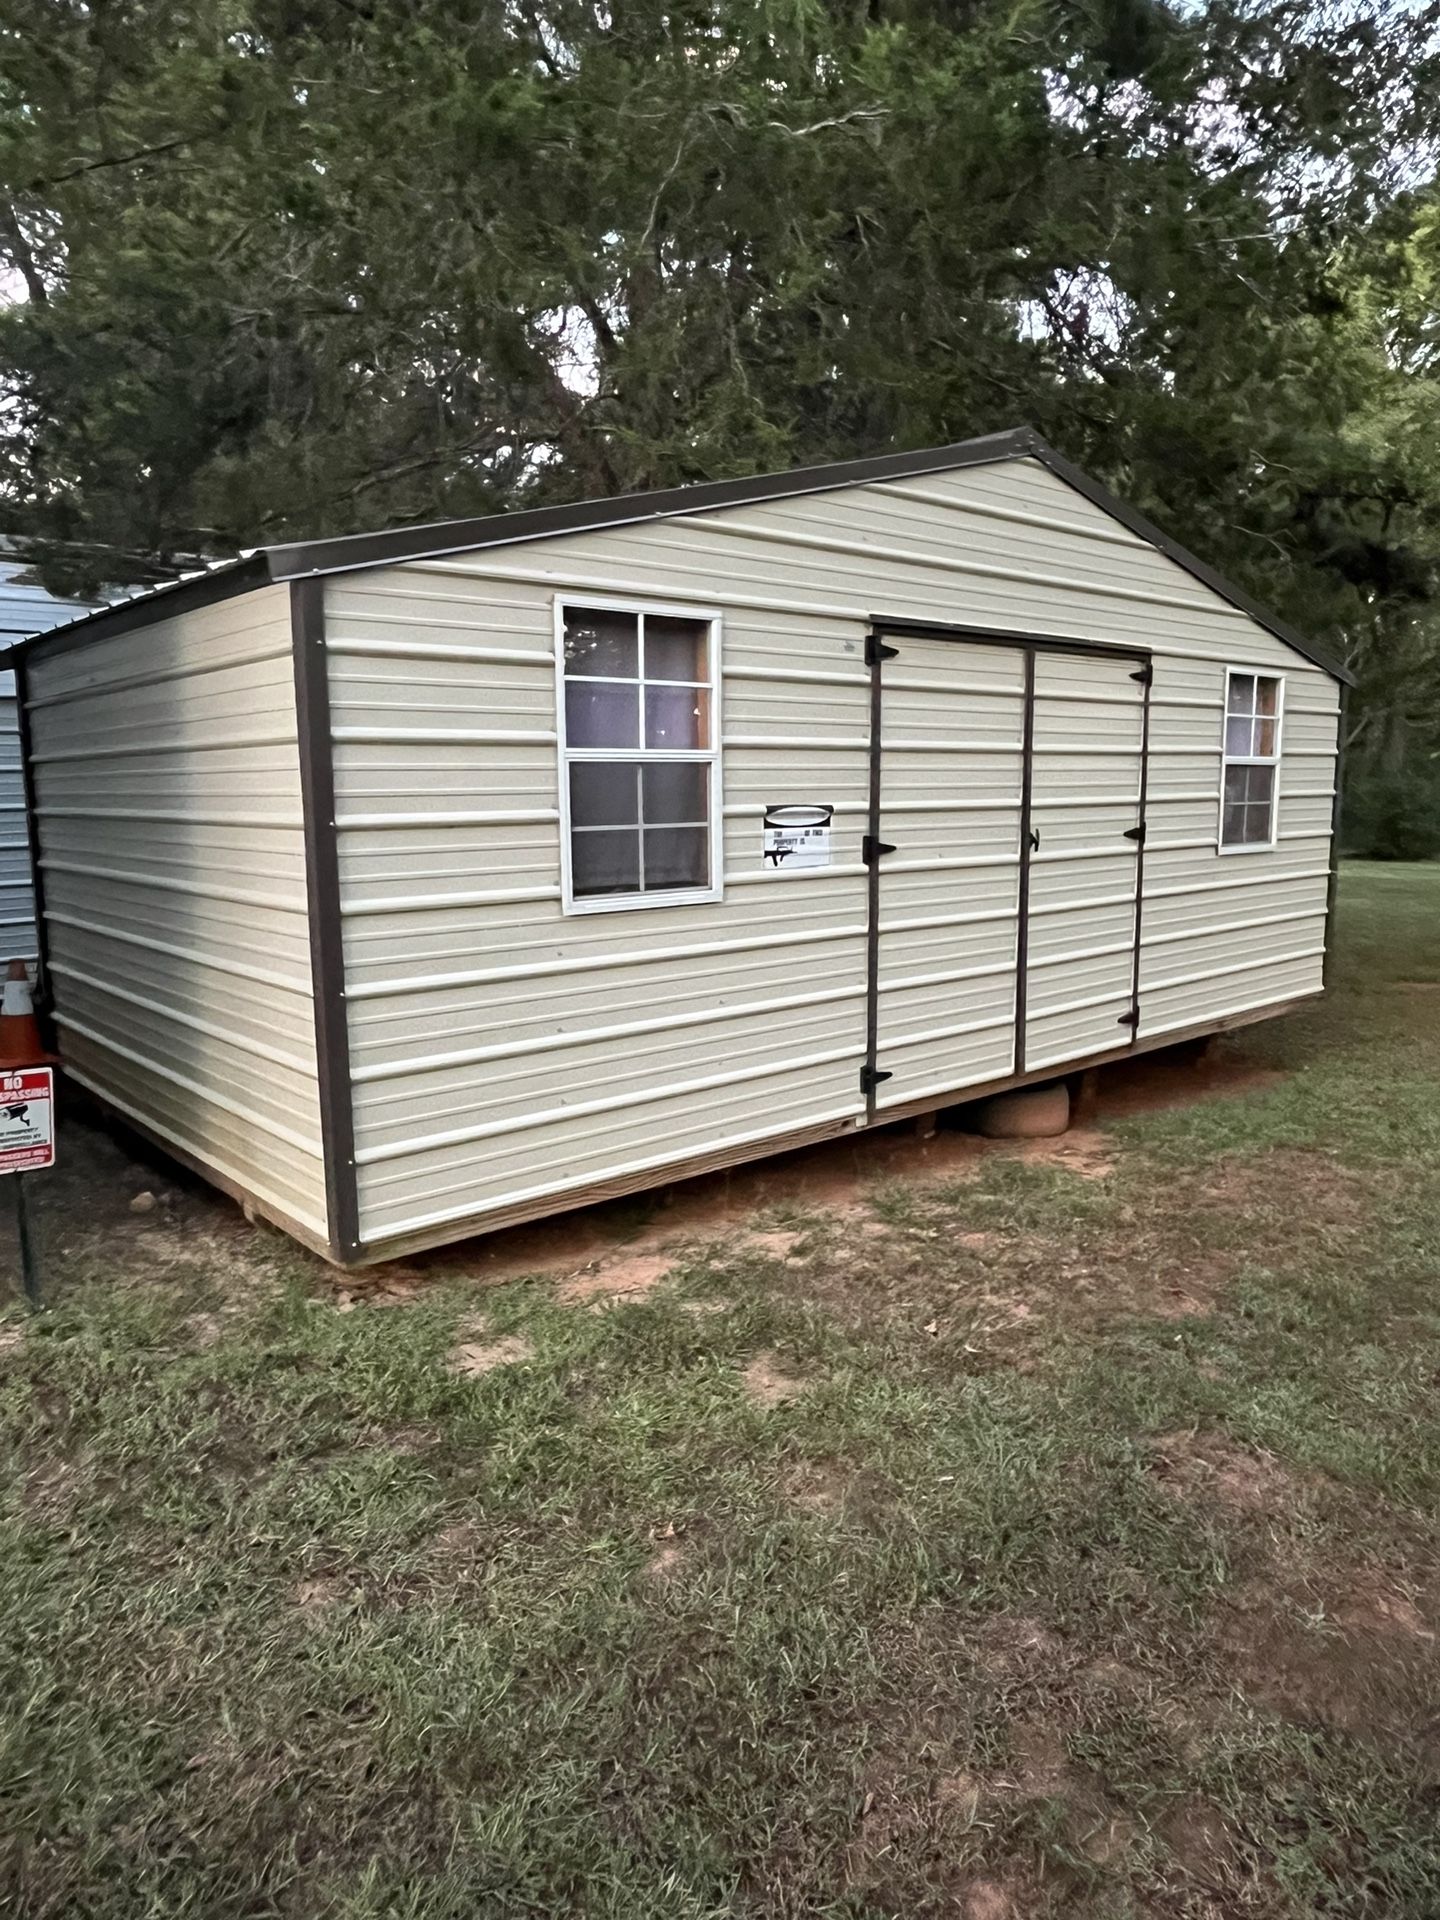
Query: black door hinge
[(1130, 1019), (871, 849), (1146, 674), (870, 1078), (876, 650), (1136, 833)]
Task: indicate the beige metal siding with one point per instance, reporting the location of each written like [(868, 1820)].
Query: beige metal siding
[(502, 1050), (951, 769), (167, 779)]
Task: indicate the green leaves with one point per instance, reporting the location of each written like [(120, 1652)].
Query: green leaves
[(284, 269)]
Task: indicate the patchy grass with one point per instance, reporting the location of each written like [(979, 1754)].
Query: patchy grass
[(1043, 1540)]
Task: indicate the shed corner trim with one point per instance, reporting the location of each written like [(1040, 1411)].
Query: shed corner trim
[(322, 886)]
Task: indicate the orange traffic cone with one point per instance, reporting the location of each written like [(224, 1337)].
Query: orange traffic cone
[(20, 1042)]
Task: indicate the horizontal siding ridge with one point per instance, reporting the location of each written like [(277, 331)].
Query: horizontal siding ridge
[(1206, 600), (991, 970), (589, 962), (1109, 535), (505, 817), (437, 902), (586, 1036), (927, 1035), (275, 1128), (237, 969), (196, 889), (770, 876), (1269, 878), (1246, 1007), (625, 1170), (155, 677), (798, 676), (1254, 965), (262, 1050), (445, 736), (479, 654), (1126, 899), (174, 816), (138, 749), (608, 1103), (930, 923), (1195, 934)]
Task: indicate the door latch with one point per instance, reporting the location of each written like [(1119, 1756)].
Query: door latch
[(870, 1078), (1034, 839), (871, 849), (1136, 833)]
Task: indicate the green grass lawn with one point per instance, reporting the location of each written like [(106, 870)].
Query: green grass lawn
[(1032, 1540)]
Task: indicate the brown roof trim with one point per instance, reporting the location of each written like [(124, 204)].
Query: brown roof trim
[(154, 603), (394, 545)]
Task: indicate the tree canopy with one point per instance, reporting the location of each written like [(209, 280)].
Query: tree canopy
[(283, 268)]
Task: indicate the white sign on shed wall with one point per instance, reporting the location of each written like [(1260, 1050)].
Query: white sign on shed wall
[(797, 836)]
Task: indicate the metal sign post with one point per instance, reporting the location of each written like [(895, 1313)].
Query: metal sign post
[(27, 1143)]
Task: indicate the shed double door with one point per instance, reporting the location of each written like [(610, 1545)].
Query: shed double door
[(1005, 851)]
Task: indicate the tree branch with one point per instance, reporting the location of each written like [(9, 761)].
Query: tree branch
[(110, 160)]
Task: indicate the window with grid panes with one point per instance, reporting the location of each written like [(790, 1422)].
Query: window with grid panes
[(638, 755), (1251, 760)]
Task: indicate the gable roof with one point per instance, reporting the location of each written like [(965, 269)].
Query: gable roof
[(306, 559)]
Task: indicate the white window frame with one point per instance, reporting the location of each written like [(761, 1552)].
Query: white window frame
[(1228, 760), (710, 756)]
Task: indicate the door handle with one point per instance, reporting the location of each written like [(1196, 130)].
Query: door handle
[(1034, 839)]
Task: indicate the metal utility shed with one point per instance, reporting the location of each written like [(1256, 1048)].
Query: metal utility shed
[(25, 608), (429, 880)]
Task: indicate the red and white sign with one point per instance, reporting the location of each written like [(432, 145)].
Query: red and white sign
[(27, 1119)]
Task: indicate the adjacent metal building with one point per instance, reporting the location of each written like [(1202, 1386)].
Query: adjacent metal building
[(25, 608), (422, 882)]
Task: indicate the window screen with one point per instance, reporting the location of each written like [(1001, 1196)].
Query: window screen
[(639, 754), (1251, 760)]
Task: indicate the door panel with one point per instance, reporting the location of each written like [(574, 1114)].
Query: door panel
[(1083, 870), (946, 900)]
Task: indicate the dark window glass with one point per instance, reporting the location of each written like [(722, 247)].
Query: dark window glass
[(597, 715), (605, 860), (675, 857), (1249, 806), (675, 793), (601, 643), (1242, 693), (605, 793), (677, 717), (674, 649)]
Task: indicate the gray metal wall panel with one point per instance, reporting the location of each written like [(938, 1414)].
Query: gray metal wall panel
[(24, 609)]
